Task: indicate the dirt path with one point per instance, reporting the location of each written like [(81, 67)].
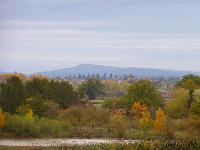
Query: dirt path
[(59, 142)]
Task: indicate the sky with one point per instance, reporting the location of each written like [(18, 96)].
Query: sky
[(41, 35)]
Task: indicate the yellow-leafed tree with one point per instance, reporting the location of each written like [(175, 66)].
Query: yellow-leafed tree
[(138, 110), (159, 122), (1, 120), (141, 113)]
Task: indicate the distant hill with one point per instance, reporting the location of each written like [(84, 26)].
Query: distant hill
[(94, 69)]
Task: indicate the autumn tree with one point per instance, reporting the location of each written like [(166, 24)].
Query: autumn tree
[(159, 121), (138, 110), (92, 87), (1, 119), (142, 115)]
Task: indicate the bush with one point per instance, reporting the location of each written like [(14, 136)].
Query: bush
[(194, 121), (117, 126), (145, 124), (21, 125), (50, 109), (195, 108), (73, 115), (52, 127), (169, 128), (80, 116), (194, 117), (23, 109), (95, 117), (177, 106), (26, 125), (181, 124)]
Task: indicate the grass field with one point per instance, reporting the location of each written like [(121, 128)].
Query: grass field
[(98, 103)]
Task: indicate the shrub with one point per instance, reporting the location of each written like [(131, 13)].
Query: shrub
[(21, 125), (195, 108), (23, 109), (181, 124), (194, 121), (95, 117), (145, 123), (117, 126), (27, 125), (89, 116), (50, 109), (73, 115), (194, 118), (177, 106), (52, 127), (169, 128)]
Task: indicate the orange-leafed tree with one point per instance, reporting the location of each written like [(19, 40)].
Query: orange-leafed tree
[(159, 121), (141, 113), (1, 120), (138, 110)]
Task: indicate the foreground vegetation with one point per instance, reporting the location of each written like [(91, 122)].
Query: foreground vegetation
[(39, 107)]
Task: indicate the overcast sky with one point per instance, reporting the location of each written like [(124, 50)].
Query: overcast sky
[(40, 35)]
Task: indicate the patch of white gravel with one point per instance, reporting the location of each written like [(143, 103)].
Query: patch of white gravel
[(60, 142)]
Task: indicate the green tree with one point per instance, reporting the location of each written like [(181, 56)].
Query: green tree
[(190, 82), (59, 92), (12, 94), (38, 86), (36, 104), (176, 107), (91, 88), (145, 92), (64, 94)]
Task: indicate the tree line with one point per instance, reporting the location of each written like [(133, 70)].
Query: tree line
[(15, 93)]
